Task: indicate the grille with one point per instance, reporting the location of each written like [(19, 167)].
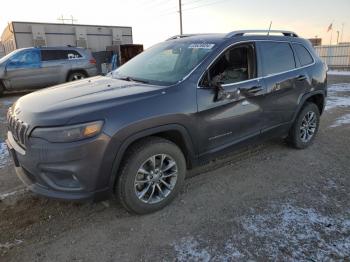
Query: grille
[(18, 128)]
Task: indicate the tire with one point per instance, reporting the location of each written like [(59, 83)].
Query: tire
[(76, 76), (137, 164), (305, 127)]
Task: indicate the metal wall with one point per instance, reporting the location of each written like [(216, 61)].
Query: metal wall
[(335, 56), (94, 37)]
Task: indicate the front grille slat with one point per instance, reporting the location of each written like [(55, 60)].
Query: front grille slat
[(18, 129)]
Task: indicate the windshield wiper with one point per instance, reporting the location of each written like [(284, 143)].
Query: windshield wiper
[(128, 78)]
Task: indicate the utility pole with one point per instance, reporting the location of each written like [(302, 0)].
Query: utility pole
[(337, 37), (180, 12), (342, 32), (71, 19)]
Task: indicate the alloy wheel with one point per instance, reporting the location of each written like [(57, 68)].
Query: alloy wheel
[(308, 126), (156, 178)]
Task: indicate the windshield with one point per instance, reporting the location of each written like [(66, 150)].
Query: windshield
[(165, 63), (6, 57)]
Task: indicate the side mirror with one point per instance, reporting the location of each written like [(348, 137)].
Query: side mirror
[(220, 92)]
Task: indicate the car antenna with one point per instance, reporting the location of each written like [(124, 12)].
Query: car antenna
[(268, 33)]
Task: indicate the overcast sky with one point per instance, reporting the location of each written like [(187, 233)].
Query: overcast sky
[(156, 20)]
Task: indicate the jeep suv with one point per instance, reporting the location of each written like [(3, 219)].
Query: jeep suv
[(32, 67), (135, 132)]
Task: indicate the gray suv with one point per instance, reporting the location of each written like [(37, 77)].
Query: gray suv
[(135, 133), (32, 67)]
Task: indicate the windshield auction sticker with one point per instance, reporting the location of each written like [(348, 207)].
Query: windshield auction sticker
[(202, 46)]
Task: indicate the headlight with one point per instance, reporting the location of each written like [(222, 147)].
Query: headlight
[(68, 133)]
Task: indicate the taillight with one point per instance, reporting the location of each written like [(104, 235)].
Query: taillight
[(92, 61)]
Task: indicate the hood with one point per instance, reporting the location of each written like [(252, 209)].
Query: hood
[(56, 104)]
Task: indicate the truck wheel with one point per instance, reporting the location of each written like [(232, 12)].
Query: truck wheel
[(76, 76), (305, 127), (152, 173)]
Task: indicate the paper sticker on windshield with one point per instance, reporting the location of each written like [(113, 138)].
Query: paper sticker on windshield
[(202, 46)]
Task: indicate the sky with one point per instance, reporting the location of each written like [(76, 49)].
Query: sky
[(157, 20)]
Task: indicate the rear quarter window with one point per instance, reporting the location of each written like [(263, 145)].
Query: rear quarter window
[(277, 57), (303, 55)]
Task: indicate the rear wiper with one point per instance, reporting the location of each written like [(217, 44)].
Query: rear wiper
[(128, 78)]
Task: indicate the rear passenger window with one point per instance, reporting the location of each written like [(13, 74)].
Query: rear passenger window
[(49, 55), (276, 57), (303, 54)]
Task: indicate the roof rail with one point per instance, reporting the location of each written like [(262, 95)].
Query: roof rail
[(243, 32), (179, 36)]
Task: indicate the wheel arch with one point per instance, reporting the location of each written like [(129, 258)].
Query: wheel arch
[(317, 97), (173, 132), (71, 71)]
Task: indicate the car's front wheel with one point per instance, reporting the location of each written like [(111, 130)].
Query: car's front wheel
[(152, 173), (305, 127)]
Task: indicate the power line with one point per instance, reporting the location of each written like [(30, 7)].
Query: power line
[(199, 6), (193, 2)]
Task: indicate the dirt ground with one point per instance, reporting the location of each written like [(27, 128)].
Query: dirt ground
[(265, 202)]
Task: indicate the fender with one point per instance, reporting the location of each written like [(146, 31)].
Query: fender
[(149, 132), (302, 100)]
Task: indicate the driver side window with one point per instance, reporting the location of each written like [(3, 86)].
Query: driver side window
[(27, 58), (235, 65)]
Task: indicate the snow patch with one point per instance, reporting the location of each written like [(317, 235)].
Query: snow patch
[(337, 96), (338, 73), (9, 245), (4, 155), (300, 233), (341, 87), (343, 120), (282, 232), (189, 250), (10, 194)]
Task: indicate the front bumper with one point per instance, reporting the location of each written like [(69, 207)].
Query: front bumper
[(69, 171)]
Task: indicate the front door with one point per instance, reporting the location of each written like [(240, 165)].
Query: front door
[(226, 120), (24, 70)]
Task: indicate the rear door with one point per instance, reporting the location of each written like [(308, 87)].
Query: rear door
[(53, 62), (284, 82)]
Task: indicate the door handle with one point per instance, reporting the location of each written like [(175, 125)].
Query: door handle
[(255, 89), (301, 78)]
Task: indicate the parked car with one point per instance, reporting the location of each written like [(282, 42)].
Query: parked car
[(33, 68), (135, 132)]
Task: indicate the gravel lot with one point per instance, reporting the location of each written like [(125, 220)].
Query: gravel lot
[(266, 202)]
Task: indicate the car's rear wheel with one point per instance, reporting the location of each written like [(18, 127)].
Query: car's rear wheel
[(152, 173), (76, 76), (305, 127)]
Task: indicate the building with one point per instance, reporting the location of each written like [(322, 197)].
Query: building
[(94, 37), (316, 41)]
